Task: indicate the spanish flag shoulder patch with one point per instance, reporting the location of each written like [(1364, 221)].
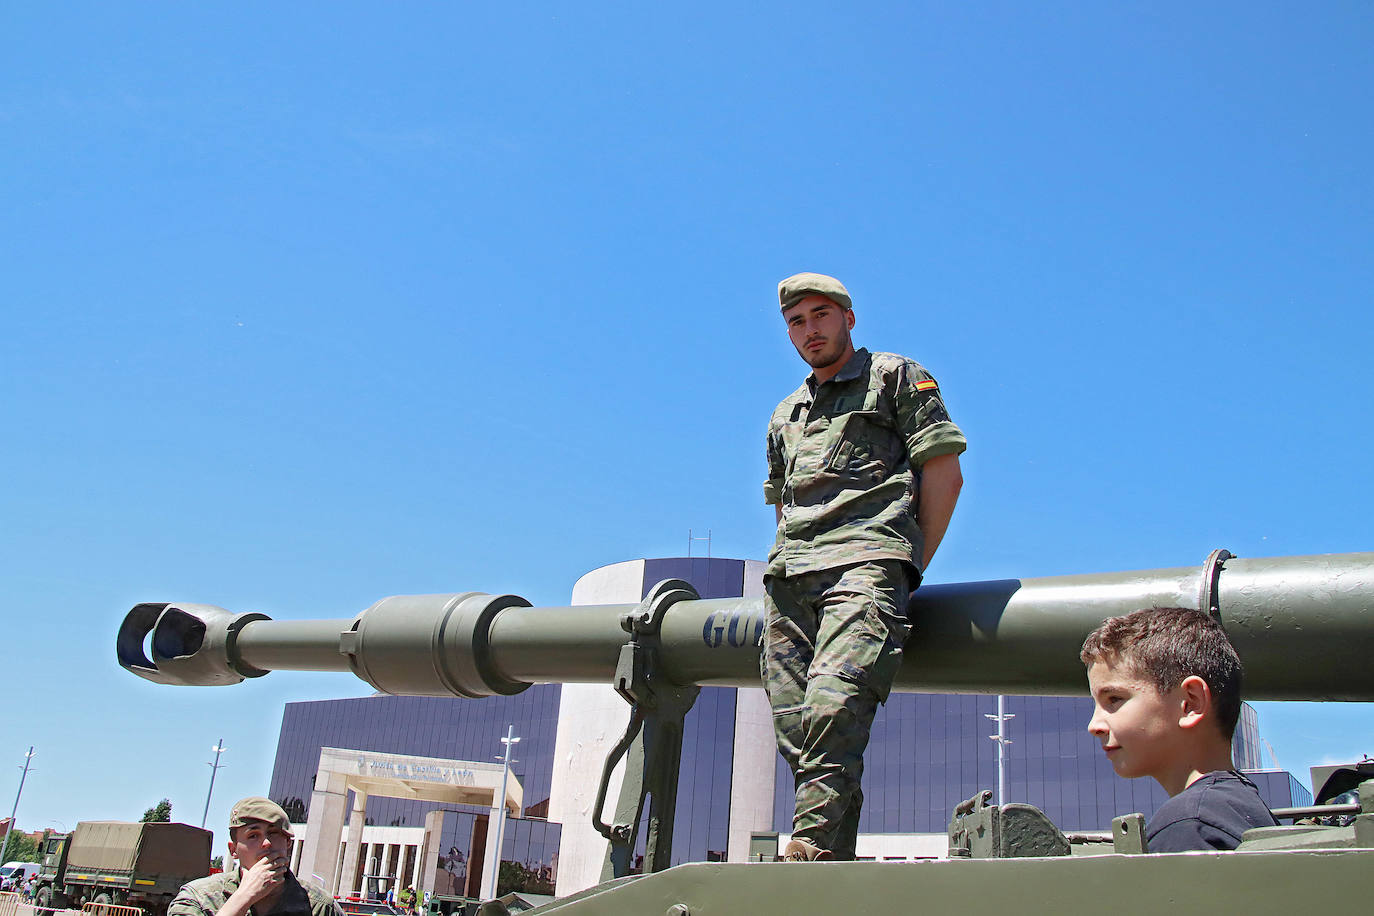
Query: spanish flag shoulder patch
[(927, 385)]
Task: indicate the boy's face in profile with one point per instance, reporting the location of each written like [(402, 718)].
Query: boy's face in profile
[(1137, 725)]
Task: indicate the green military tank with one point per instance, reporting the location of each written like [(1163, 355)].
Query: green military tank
[(1300, 624)]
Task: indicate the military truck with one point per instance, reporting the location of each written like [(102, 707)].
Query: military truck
[(142, 865), (1301, 625)]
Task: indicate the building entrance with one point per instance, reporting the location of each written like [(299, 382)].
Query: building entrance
[(341, 862)]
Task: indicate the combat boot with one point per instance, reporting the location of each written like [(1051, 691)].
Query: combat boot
[(802, 851)]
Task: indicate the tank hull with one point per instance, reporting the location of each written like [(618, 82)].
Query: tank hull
[(1221, 882)]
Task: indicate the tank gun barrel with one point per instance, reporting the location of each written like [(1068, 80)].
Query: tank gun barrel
[(1298, 623)]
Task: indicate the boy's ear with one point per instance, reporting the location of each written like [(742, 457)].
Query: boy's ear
[(1195, 701)]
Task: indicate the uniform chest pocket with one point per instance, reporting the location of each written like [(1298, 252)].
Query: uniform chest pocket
[(864, 444)]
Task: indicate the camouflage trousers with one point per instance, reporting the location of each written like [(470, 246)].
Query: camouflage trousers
[(831, 649)]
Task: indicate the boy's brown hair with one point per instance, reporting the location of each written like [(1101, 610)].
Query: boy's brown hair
[(1164, 645)]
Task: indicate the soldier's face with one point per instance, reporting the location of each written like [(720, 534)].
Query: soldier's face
[(257, 840), (819, 329)]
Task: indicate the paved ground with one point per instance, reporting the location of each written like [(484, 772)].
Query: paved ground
[(24, 909)]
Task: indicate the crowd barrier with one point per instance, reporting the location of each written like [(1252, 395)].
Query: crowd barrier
[(108, 909), (12, 904)]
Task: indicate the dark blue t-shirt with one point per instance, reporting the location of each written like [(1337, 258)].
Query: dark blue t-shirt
[(1212, 813)]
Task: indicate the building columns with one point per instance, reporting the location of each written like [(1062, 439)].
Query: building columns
[(430, 850), (320, 851), (348, 881), (754, 769)]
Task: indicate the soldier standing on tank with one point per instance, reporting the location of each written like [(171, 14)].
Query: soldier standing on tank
[(863, 472), (258, 881)]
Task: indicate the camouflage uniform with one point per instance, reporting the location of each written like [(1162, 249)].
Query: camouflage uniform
[(843, 463), (205, 897)]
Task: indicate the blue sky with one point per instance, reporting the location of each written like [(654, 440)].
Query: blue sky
[(310, 304)]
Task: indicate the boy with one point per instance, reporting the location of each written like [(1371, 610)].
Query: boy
[(1165, 684)]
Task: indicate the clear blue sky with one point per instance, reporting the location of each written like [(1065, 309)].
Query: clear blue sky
[(309, 304)]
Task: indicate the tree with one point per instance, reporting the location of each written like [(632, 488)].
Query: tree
[(159, 813), (22, 848), (217, 862)]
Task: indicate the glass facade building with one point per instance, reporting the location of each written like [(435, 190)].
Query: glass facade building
[(931, 751), (529, 855), (701, 831), (443, 727), (421, 726)]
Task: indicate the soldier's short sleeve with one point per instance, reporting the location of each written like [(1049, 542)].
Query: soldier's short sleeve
[(922, 417), (186, 903), (321, 904), (772, 487)]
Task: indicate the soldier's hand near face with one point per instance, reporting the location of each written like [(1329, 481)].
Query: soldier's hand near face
[(264, 878), (262, 881)]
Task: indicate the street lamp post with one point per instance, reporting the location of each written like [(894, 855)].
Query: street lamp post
[(1002, 741), (494, 868), (5, 847), (219, 748)]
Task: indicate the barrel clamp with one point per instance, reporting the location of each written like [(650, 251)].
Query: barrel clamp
[(652, 744), (1209, 597)]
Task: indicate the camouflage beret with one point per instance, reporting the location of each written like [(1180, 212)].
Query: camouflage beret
[(256, 808), (799, 286)]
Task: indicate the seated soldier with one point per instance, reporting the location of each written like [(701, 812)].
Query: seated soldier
[(258, 880), (1166, 687)]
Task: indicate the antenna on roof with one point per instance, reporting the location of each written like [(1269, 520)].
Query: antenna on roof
[(707, 539)]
